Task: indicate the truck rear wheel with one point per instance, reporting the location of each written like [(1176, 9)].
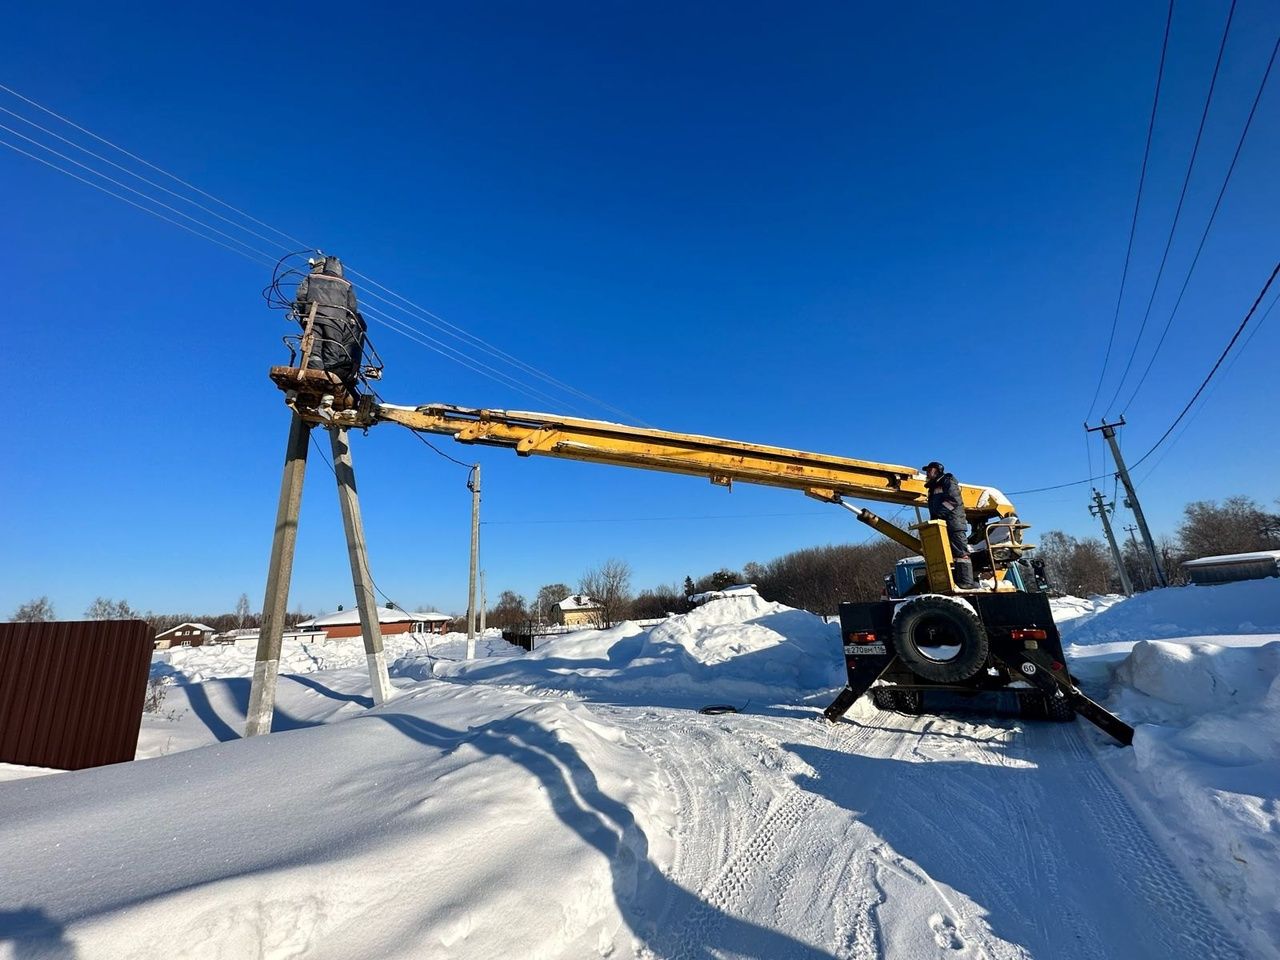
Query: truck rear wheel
[(940, 639)]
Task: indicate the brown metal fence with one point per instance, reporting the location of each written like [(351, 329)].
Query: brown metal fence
[(71, 692)]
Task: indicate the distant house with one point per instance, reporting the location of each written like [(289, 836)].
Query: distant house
[(346, 623), (578, 610), (185, 635), (1234, 566)]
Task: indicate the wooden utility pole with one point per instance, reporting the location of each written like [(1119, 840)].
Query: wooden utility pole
[(1102, 510), (1131, 494), (473, 484), (362, 580), (262, 693)]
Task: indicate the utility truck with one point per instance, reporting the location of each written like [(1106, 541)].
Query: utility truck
[(932, 637)]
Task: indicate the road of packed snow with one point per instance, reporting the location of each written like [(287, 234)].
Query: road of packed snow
[(573, 803)]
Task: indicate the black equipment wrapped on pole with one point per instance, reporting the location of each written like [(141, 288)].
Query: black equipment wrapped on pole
[(333, 330)]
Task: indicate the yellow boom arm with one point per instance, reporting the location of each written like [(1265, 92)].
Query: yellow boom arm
[(319, 398), (822, 476)]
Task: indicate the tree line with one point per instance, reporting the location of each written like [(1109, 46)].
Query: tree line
[(41, 609), (1083, 565), (812, 578)]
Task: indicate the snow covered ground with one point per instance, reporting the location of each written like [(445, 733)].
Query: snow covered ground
[(573, 803)]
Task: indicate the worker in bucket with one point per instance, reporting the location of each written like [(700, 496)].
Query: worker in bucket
[(338, 329), (946, 504)]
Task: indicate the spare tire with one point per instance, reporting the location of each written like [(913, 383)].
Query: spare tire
[(940, 639)]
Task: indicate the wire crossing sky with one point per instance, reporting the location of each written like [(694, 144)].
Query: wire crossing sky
[(885, 235)]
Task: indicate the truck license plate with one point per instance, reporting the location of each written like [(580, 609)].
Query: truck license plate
[(873, 649)]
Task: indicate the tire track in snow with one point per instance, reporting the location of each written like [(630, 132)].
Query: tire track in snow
[(1185, 924)]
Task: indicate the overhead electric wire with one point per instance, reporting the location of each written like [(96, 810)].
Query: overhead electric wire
[(133, 156), (428, 317), (1196, 412), (720, 516), (1209, 376), (138, 176), (1205, 235), (444, 325), (457, 356), (134, 203), (1177, 213), (1137, 204), (1058, 486), (135, 191)]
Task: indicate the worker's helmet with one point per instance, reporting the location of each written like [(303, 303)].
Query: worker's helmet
[(931, 465)]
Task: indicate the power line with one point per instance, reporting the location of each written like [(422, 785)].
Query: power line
[(457, 356), (1058, 486), (138, 176), (1205, 236), (713, 516), (413, 321), (1137, 204), (1196, 412), (1177, 213), (1204, 383), (134, 203), (426, 316), (293, 240), (134, 190)]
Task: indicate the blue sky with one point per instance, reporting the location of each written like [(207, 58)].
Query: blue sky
[(884, 232)]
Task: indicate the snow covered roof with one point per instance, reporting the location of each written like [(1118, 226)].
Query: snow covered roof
[(346, 617), (733, 590), (202, 627), (1255, 556), (579, 601), (430, 616)]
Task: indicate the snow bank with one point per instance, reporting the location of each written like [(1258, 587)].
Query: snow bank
[(1072, 608), (454, 821), (1206, 763), (1251, 607), (731, 648)]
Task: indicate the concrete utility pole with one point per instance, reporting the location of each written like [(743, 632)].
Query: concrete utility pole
[(1101, 510), (473, 484), (1131, 499), (362, 580), (262, 693)]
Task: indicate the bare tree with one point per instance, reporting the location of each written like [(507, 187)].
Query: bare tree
[(39, 610), (1078, 567), (242, 610), (104, 608), (1237, 525), (659, 602), (610, 586), (548, 597), (510, 611)]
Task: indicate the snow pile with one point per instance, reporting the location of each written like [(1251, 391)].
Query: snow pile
[(1251, 607), (1072, 608), (213, 661), (1206, 762), (734, 647), (451, 822)]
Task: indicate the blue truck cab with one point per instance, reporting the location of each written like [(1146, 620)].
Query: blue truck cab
[(909, 571)]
